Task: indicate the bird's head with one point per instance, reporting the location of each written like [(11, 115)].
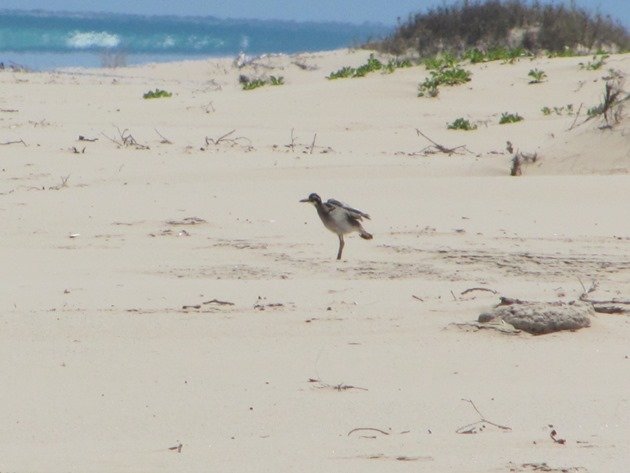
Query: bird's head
[(313, 199)]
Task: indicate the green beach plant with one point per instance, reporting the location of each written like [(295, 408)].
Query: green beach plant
[(394, 64), (596, 63), (507, 118), (273, 80), (254, 84), (343, 73), (372, 65), (461, 124), (564, 110), (474, 55), (157, 94), (537, 76), (447, 75)]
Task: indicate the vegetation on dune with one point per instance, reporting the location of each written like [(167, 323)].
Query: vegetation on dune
[(461, 124), (537, 76), (501, 26), (372, 65), (510, 118), (157, 94), (444, 70), (598, 61), (248, 83), (564, 110)]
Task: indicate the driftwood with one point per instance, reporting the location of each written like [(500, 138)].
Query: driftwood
[(371, 429), (305, 148), (14, 142), (478, 289), (126, 139), (64, 183), (612, 306), (437, 147), (336, 387), (229, 140), (479, 426), (165, 141), (217, 301)]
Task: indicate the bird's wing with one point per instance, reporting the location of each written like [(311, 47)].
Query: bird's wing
[(331, 204)]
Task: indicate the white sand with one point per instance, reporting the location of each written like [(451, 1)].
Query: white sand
[(102, 370)]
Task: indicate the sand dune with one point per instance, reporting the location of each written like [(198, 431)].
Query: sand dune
[(116, 343)]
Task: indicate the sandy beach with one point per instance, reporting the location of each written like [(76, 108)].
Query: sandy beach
[(169, 305)]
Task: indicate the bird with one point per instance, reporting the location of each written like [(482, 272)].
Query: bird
[(339, 218)]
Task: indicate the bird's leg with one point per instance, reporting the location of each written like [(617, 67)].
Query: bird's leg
[(341, 243)]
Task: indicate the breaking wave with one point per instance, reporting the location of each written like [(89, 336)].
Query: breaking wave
[(93, 39)]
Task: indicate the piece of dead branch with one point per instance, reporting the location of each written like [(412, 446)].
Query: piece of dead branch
[(312, 144), (438, 148), (125, 139), (64, 183), (227, 139), (478, 289), (177, 448), (165, 141), (417, 298), (220, 138), (612, 306), (76, 151), (577, 115), (519, 159), (187, 221), (509, 301), (291, 145), (554, 436), (83, 138), (14, 142), (217, 301), (479, 426), (268, 306), (335, 387), (372, 429), (305, 148)]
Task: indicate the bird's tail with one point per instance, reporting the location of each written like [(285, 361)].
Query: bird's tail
[(365, 235)]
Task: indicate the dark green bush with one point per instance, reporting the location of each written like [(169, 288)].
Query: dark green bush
[(490, 24)]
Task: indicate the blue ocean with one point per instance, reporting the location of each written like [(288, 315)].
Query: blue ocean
[(41, 40)]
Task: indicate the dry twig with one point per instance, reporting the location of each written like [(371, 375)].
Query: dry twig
[(227, 139), (14, 142), (478, 289), (438, 148), (125, 140), (165, 141), (553, 434), (472, 428), (64, 183), (367, 428)]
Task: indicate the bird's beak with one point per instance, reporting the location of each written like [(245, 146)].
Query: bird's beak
[(304, 200)]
